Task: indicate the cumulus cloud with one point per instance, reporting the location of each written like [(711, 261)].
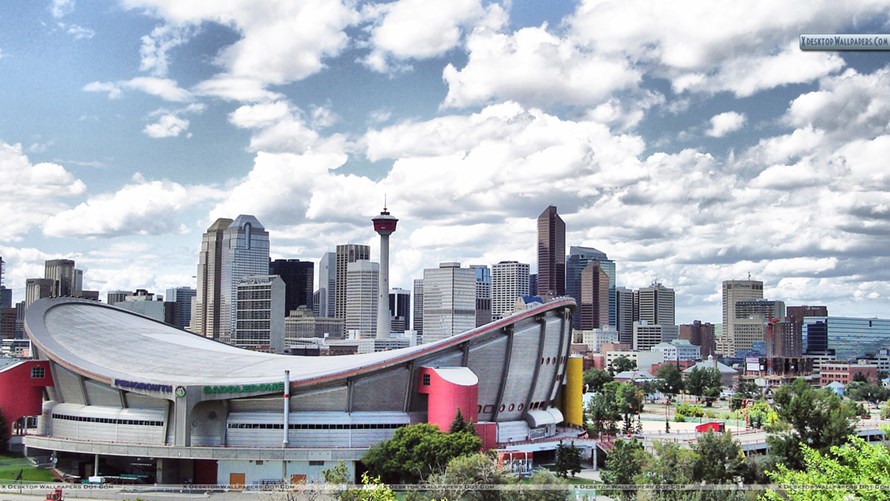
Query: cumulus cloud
[(140, 208), (156, 46), (725, 123), (79, 32), (281, 127), (61, 8), (35, 191), (168, 125), (164, 88)]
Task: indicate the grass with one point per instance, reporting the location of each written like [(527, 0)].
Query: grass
[(11, 465)]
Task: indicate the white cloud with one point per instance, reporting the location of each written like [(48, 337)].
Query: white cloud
[(725, 123), (164, 88), (140, 208), (234, 88), (113, 90), (168, 125), (283, 128), (61, 8), (156, 46), (80, 32), (36, 193)]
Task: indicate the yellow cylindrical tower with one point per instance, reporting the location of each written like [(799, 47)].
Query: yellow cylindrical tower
[(573, 392)]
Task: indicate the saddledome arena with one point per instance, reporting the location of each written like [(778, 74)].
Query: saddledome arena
[(132, 394)]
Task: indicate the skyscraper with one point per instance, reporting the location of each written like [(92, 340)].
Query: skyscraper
[(751, 320), (259, 313), (245, 253), (509, 280), (5, 294), (346, 253), (298, 279), (178, 301), (38, 288), (399, 310), (794, 315), (327, 284), (551, 253), (624, 314), (208, 298), (418, 307), (594, 304), (733, 292), (655, 304), (384, 225), (449, 301), (483, 293), (61, 272), (578, 259), (362, 280)]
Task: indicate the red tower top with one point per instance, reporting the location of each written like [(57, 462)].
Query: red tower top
[(385, 224)]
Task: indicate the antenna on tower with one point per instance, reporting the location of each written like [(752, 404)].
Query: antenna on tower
[(384, 201)]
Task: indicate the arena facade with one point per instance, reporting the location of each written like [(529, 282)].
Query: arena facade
[(127, 390)]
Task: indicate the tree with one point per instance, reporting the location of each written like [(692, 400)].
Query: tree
[(629, 399), (858, 463), (373, 489), (568, 460), (594, 379), (558, 491), (418, 450), (818, 419), (463, 473), (459, 424), (603, 411), (671, 465), (720, 459), (621, 364), (623, 464), (670, 379), (705, 384), (868, 392)]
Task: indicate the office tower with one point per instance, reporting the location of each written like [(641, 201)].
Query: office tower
[(449, 301), (646, 335), (77, 283), (578, 259), (178, 306), (655, 304), (751, 320), (208, 298), (399, 310), (301, 324), (346, 253), (259, 313), (327, 284), (594, 305), (61, 272), (298, 279), (7, 323), (114, 297), (483, 293), (734, 291), (384, 225), (362, 279), (849, 338), (795, 315), (509, 281), (418, 306), (624, 314), (245, 253), (38, 288), (533, 284), (5, 294), (700, 334), (551, 253)]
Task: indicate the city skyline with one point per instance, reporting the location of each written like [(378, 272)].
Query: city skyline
[(688, 156)]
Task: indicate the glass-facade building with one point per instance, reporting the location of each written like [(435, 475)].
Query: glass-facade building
[(579, 258), (245, 253), (848, 337)]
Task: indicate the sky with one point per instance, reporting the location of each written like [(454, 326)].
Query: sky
[(692, 142)]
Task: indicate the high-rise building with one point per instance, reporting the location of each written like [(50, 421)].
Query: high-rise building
[(449, 301), (733, 292), (483, 293), (362, 281), (655, 304), (245, 247), (61, 272), (385, 225), (7, 323), (752, 318), (646, 335), (114, 297), (594, 304), (5, 294), (298, 279), (624, 314), (849, 338), (794, 315), (347, 253), (509, 281), (418, 307), (327, 284), (178, 306), (301, 324), (259, 313), (399, 309), (144, 303), (551, 253), (38, 288), (208, 297), (700, 334), (578, 259), (533, 284)]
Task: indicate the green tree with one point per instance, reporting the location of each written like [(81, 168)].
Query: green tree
[(629, 399), (603, 412), (867, 392), (670, 379), (558, 491), (858, 463), (671, 465), (459, 424), (720, 459), (705, 384), (621, 364), (463, 473), (568, 460), (418, 450), (594, 379), (623, 464), (373, 489), (818, 419)]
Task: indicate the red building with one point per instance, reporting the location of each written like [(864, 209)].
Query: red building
[(21, 389)]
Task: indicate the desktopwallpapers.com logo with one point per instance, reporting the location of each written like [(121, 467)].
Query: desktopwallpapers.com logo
[(857, 41)]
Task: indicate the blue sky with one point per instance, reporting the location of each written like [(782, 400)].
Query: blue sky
[(693, 142)]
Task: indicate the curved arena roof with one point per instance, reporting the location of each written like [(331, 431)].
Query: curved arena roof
[(106, 343)]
